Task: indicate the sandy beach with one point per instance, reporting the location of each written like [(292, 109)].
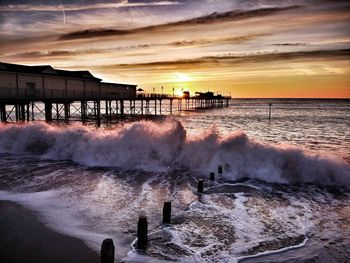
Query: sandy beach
[(24, 239)]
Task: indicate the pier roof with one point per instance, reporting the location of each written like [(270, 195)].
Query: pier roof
[(46, 70)]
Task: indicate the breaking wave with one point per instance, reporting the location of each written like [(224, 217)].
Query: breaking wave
[(162, 147)]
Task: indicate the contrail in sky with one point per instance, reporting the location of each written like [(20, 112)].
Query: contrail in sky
[(64, 13)]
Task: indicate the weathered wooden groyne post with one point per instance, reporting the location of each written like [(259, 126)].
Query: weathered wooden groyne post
[(219, 169), (212, 176), (107, 251), (167, 213), (200, 186), (142, 233)]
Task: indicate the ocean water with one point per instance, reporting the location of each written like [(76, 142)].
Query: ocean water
[(283, 195)]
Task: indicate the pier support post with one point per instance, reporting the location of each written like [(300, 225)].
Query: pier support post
[(131, 108), (141, 107), (57, 111), (66, 112), (98, 113), (83, 108), (160, 106), (200, 186), (22, 112), (121, 108), (155, 106), (147, 107), (3, 116), (212, 176), (167, 213), (107, 109), (27, 112), (142, 229), (107, 251), (17, 112), (48, 111), (32, 106)]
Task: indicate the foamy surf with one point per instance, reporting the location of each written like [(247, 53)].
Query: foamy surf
[(164, 147), (229, 222)]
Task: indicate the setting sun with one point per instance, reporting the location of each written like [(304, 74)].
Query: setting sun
[(181, 77), (179, 92)]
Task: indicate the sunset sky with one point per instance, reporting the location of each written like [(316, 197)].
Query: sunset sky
[(253, 48)]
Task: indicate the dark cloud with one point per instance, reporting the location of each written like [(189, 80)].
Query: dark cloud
[(229, 59), (71, 53), (56, 53), (91, 33), (35, 54), (203, 42), (208, 19), (291, 44)]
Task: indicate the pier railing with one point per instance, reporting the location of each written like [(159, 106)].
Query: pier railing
[(157, 95), (79, 95)]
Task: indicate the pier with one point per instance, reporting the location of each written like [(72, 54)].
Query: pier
[(29, 93)]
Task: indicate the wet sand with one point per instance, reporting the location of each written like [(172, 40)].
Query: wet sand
[(24, 239)]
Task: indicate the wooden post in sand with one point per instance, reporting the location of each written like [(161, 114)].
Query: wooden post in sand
[(200, 186), (212, 176), (142, 229), (220, 169), (107, 251), (270, 105), (167, 213)]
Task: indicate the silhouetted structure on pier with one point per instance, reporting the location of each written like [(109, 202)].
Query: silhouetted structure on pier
[(26, 91)]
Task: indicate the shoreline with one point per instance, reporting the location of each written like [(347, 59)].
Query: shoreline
[(23, 238)]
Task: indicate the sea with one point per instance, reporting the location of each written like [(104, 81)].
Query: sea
[(283, 195)]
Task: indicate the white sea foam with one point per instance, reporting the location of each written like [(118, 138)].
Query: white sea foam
[(159, 147), (267, 253)]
